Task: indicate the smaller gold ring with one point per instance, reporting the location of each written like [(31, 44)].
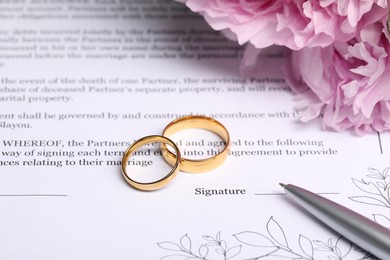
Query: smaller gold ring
[(202, 122), (155, 184)]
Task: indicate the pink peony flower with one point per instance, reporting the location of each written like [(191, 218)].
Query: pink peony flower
[(338, 64), (294, 24), (347, 82)]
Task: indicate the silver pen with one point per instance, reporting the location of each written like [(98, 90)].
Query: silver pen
[(360, 230)]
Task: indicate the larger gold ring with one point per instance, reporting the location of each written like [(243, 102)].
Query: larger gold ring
[(203, 122), (161, 182)]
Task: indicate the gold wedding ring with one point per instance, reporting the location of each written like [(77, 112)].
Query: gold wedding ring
[(161, 182), (202, 122)]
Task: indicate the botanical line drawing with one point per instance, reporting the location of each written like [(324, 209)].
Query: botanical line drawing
[(185, 250), (377, 188), (276, 241), (272, 244), (377, 192)]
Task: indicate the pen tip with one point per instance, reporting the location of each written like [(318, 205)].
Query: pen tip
[(282, 184)]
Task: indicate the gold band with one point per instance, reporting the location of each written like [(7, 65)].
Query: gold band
[(161, 182), (203, 122)]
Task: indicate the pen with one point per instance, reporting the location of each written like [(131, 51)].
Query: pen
[(360, 230)]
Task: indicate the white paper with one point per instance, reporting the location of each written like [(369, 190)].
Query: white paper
[(81, 80)]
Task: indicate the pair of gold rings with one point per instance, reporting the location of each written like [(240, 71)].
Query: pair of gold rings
[(174, 158)]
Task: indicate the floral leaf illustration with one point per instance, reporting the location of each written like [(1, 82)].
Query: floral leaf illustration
[(233, 251), (381, 185), (208, 238), (306, 245), (276, 232), (203, 251), (330, 243), (366, 254), (176, 257), (324, 249), (368, 200), (382, 220), (185, 243), (374, 171), (343, 246), (218, 236), (220, 251), (254, 239), (223, 245), (281, 253), (321, 246), (375, 176), (169, 246), (332, 257), (319, 243), (385, 172), (366, 187), (337, 251)]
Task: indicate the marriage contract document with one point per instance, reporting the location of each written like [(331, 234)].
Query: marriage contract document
[(80, 80)]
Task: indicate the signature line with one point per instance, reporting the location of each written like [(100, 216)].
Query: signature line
[(33, 195), (281, 194)]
